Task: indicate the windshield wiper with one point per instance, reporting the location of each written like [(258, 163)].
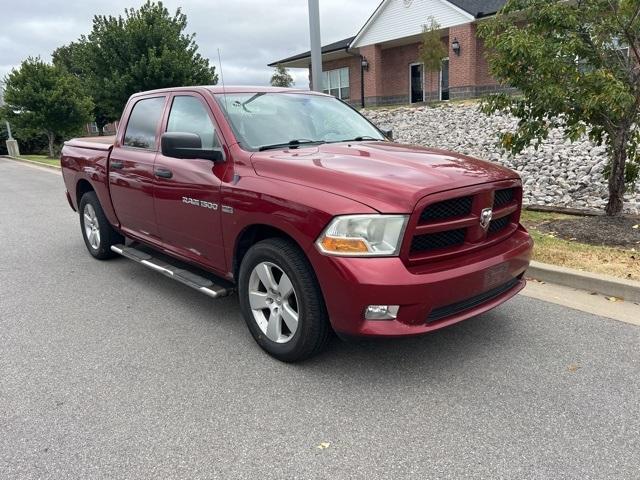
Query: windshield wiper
[(290, 144), (360, 138)]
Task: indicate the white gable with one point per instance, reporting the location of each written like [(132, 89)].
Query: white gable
[(404, 18)]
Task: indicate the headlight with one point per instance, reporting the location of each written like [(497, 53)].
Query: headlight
[(363, 235)]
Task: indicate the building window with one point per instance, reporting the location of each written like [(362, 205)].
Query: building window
[(336, 83), (93, 127)]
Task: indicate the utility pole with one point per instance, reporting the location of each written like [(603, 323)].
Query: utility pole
[(316, 52)]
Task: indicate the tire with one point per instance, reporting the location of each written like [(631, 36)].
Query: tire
[(98, 235), (282, 258)]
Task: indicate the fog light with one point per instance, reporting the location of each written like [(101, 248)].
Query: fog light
[(381, 312)]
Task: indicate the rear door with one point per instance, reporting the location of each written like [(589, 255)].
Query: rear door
[(187, 191), (131, 173)]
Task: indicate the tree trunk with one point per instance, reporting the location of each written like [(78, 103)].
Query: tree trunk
[(100, 126), (618, 159), (51, 136)]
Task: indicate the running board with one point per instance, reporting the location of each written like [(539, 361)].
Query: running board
[(191, 279)]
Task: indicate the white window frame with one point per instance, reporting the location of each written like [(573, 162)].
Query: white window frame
[(93, 127), (327, 87)]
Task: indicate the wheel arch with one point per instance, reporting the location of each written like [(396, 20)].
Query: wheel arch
[(252, 234), (83, 186)]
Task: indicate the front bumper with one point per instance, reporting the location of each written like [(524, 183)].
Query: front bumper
[(430, 296)]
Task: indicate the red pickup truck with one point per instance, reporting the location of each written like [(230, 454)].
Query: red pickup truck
[(308, 211)]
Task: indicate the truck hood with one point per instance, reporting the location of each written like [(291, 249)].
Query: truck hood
[(387, 177)]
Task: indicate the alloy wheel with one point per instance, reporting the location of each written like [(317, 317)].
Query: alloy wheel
[(273, 301), (91, 226)]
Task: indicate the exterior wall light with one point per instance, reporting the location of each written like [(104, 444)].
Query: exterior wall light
[(365, 64), (455, 46)]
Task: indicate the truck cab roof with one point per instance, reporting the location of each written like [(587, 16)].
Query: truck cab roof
[(219, 89)]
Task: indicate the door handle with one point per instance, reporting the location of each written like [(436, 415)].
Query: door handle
[(163, 173), (115, 165)]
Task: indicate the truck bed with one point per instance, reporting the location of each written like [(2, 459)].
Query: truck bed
[(88, 158), (103, 143)]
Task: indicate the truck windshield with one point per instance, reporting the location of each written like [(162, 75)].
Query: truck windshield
[(293, 120)]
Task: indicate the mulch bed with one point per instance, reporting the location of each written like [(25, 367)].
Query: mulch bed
[(609, 231)]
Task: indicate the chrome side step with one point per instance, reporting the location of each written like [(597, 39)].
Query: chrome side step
[(191, 279)]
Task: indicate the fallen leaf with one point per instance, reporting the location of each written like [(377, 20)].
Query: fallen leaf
[(573, 367), (323, 446), (637, 225), (613, 299)]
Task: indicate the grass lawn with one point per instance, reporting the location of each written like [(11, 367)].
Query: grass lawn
[(550, 249), (42, 159)]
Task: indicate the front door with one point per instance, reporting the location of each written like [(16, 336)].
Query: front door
[(131, 169), (187, 191), (444, 80), (417, 82)]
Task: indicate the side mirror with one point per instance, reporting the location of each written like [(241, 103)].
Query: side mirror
[(188, 145), (388, 134)]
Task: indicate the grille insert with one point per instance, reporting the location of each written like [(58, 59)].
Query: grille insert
[(500, 224), (456, 207), (432, 241), (502, 197), (459, 307)]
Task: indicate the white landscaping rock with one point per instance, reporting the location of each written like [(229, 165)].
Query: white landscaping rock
[(558, 173)]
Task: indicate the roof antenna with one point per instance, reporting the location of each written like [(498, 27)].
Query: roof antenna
[(224, 91)]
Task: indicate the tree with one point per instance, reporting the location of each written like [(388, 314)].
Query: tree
[(281, 77), (577, 66), (144, 50), (44, 99), (432, 49)]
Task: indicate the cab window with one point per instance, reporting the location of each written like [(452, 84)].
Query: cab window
[(143, 123), (189, 115)]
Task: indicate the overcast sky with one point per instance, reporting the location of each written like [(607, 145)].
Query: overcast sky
[(250, 33)]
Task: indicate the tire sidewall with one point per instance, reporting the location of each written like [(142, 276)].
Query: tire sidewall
[(103, 250), (265, 252)]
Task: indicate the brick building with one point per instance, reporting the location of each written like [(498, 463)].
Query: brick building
[(380, 64)]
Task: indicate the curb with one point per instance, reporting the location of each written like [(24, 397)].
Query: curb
[(580, 212), (592, 282), (32, 162)]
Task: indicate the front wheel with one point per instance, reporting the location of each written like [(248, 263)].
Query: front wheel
[(97, 232), (281, 301)]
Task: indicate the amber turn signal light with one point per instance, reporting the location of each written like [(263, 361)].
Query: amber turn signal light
[(344, 245)]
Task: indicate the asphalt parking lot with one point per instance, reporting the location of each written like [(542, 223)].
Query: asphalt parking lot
[(109, 370)]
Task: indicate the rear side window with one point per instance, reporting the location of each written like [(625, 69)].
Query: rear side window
[(189, 115), (143, 123)]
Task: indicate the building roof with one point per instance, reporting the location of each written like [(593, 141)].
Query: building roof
[(475, 8), (332, 47), (479, 8)]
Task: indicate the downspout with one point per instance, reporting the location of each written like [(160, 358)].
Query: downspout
[(360, 57)]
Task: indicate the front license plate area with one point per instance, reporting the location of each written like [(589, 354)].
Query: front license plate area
[(496, 275)]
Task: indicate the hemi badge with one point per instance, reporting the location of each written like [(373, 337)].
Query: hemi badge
[(227, 209)]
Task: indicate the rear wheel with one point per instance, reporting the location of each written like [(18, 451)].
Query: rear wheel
[(281, 301), (97, 232)]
